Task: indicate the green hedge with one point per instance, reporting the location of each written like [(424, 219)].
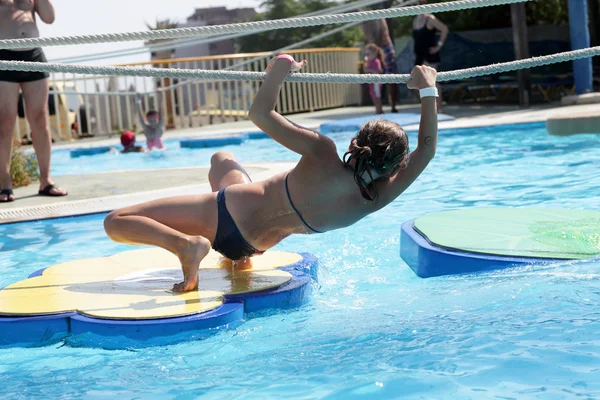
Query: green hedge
[(23, 168)]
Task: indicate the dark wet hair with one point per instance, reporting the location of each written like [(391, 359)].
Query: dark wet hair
[(381, 146), (151, 113)]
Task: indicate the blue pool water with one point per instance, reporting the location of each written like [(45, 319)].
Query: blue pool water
[(372, 329)]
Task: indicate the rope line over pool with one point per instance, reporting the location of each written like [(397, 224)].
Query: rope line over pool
[(222, 75), (255, 26)]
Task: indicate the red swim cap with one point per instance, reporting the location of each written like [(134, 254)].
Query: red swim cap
[(127, 139)]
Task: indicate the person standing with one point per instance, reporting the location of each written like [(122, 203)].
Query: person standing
[(18, 20), (377, 32), (427, 46)]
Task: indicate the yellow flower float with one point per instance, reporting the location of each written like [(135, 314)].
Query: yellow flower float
[(128, 295)]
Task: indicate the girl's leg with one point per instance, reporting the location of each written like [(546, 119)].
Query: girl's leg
[(184, 225), (378, 106), (376, 97), (225, 170)]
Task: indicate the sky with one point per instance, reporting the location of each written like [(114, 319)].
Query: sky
[(81, 17)]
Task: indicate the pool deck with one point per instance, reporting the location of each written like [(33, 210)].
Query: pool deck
[(102, 192)]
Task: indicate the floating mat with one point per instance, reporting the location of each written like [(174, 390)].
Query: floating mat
[(478, 239), (257, 135), (213, 142), (354, 124), (128, 294), (90, 151)]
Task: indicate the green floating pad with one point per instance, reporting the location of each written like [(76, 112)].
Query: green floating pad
[(520, 232)]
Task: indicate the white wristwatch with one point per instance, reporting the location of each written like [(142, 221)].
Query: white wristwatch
[(428, 92)]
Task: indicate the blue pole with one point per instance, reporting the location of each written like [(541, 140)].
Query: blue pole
[(580, 39)]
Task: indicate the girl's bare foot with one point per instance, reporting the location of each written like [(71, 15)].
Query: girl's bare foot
[(190, 256)]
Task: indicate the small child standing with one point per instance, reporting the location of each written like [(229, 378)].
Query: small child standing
[(152, 124), (374, 65)]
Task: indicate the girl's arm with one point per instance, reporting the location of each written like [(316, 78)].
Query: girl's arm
[(422, 77), (140, 111), (159, 107), (262, 113), (45, 10), (379, 66)]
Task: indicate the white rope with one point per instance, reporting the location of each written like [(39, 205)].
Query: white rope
[(283, 49), (312, 39), (256, 26), (222, 75), (179, 44)]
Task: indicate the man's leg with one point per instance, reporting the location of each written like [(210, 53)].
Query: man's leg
[(9, 98), (391, 67), (393, 96), (36, 108)]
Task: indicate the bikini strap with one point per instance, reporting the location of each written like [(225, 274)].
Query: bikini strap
[(287, 190)]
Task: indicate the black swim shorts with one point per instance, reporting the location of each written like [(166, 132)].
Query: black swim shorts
[(35, 55)]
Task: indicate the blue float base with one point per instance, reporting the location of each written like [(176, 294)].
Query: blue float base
[(428, 260), (213, 142), (354, 124), (257, 135), (81, 330), (90, 151)]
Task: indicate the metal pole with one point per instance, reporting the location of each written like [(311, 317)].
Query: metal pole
[(580, 39), (521, 44), (595, 25)]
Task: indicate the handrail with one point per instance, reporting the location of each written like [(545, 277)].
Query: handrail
[(240, 55)]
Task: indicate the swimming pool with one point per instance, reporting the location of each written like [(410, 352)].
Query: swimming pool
[(372, 329)]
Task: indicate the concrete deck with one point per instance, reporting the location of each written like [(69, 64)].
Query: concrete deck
[(103, 192), (106, 191)]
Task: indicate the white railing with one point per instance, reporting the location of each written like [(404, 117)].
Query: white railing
[(91, 105)]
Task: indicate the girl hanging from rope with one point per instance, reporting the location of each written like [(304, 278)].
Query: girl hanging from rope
[(241, 218)]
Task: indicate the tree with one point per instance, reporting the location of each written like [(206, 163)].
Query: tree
[(279, 9), (538, 13)]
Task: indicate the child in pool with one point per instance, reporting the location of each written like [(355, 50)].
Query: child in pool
[(152, 124), (374, 65), (128, 142), (241, 218)]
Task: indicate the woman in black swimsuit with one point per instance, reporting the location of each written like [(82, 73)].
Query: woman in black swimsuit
[(427, 46)]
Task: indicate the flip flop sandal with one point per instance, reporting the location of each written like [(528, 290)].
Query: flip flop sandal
[(7, 193), (47, 191)]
